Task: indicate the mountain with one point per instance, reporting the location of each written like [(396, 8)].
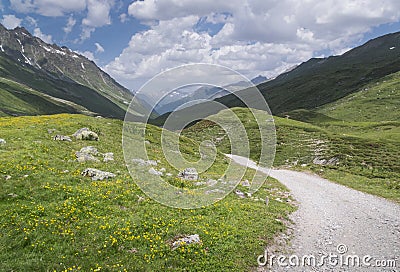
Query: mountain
[(323, 80), (188, 95), (39, 78), (319, 81), (259, 79)]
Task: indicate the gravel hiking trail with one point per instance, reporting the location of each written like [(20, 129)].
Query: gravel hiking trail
[(334, 219)]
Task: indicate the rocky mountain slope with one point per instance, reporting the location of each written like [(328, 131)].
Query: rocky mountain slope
[(60, 74)]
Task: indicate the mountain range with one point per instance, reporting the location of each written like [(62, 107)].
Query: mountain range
[(319, 81), (40, 78)]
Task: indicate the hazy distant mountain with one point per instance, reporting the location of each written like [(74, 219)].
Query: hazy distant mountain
[(44, 79), (184, 95)]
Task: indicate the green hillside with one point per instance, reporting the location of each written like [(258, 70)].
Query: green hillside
[(377, 101), (353, 153)]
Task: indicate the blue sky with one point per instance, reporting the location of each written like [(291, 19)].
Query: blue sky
[(135, 40)]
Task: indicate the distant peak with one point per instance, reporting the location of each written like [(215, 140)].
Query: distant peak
[(20, 29)]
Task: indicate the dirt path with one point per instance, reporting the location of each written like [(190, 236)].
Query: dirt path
[(332, 216)]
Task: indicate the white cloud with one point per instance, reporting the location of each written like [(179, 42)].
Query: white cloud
[(99, 48), (10, 21), (47, 7), (31, 21), (123, 17), (98, 15), (70, 24), (46, 38), (257, 37)]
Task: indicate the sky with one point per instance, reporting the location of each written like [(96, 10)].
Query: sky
[(135, 40)]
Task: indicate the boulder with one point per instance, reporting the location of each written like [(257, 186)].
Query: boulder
[(62, 138), (245, 183), (189, 174), (86, 134), (96, 174), (142, 162), (108, 157), (187, 240), (83, 157), (89, 150), (87, 153), (155, 172), (240, 194)]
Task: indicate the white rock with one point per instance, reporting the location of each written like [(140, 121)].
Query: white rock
[(155, 172), (108, 157), (190, 239), (96, 174), (245, 183)]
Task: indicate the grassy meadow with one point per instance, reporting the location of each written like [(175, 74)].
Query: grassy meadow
[(54, 219)]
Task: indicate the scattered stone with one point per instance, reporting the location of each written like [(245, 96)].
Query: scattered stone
[(240, 194), (168, 174), (140, 198), (86, 134), (211, 182), (214, 191), (2, 142), (163, 169), (245, 183), (147, 142), (266, 201), (89, 150), (155, 172), (142, 162), (96, 174), (87, 153), (25, 176), (199, 183), (66, 171), (84, 157), (189, 174), (132, 250), (7, 177), (320, 161), (108, 157), (187, 240), (51, 130), (12, 195), (303, 165)]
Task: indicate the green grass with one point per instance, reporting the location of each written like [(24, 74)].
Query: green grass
[(368, 152), (377, 101), (56, 220)]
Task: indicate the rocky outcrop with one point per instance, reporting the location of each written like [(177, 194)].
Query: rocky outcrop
[(86, 134), (187, 240), (189, 174), (96, 174), (62, 138)]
